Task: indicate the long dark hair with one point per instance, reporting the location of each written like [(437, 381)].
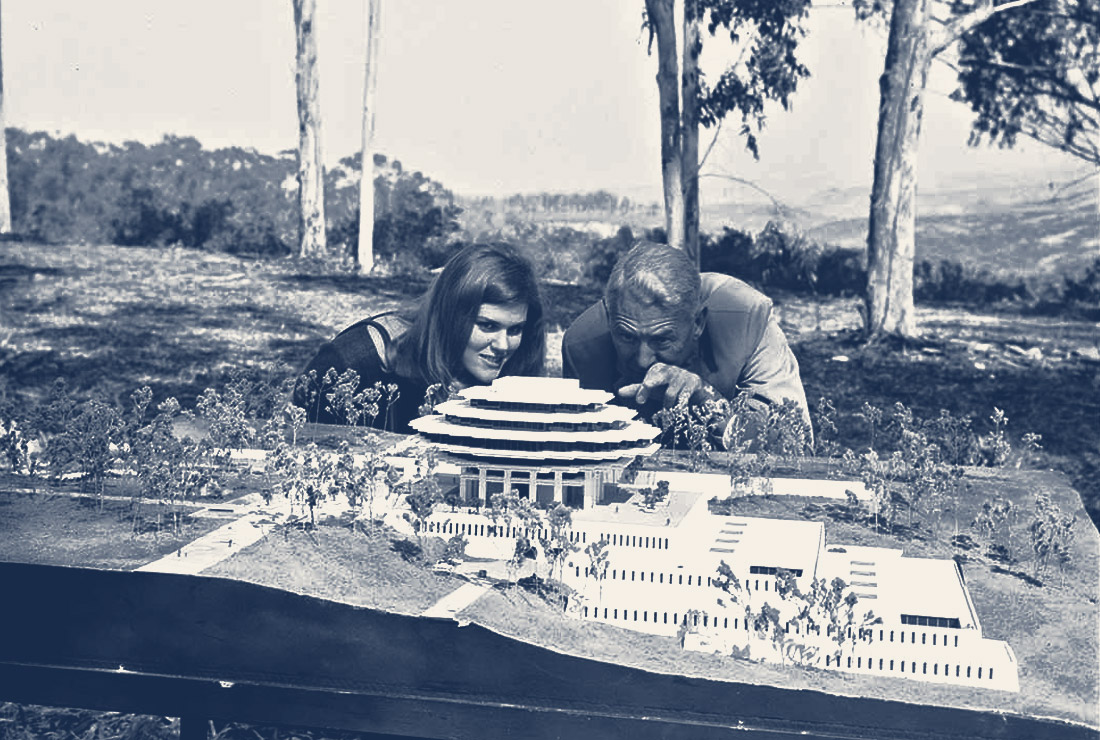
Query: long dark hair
[(431, 350)]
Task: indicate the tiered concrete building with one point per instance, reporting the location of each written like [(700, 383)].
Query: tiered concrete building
[(912, 618), (546, 438)]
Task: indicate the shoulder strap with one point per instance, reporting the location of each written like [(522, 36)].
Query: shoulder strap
[(357, 345)]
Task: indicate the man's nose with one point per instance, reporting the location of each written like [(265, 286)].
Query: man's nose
[(646, 355)]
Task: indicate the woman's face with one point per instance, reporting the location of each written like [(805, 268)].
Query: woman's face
[(495, 336)]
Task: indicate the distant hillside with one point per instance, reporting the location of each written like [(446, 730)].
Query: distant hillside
[(1026, 232)]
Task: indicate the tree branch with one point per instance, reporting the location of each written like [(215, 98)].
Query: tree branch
[(710, 146), (952, 30), (779, 206)]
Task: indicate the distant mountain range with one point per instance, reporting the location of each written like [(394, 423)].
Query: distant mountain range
[(1025, 229)]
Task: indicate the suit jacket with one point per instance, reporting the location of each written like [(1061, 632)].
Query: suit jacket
[(742, 347)]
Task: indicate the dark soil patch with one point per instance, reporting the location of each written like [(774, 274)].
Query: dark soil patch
[(60, 530)]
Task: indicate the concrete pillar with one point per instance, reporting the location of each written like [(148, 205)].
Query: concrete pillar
[(593, 485), (559, 493), (482, 494)]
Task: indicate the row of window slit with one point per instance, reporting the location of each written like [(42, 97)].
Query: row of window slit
[(613, 613), (489, 530), (913, 667)]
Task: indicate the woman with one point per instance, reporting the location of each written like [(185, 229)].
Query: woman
[(481, 318)]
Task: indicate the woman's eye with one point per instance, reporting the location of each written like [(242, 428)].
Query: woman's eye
[(486, 326), (515, 331)]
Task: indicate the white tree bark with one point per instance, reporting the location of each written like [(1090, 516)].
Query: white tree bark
[(662, 17), (689, 141), (891, 235), (892, 223), (5, 200), (311, 189), (373, 32)]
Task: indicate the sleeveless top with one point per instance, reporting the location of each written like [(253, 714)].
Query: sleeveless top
[(361, 347)]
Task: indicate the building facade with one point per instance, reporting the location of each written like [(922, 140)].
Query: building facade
[(546, 438)]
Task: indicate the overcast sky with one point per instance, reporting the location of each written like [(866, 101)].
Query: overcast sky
[(487, 96)]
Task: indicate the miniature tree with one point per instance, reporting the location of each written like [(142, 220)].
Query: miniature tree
[(305, 477), (90, 443), (630, 472), (1051, 535), (170, 467), (522, 516), (993, 524), (598, 562), (556, 541), (423, 493), (827, 433), (14, 447), (873, 416), (454, 551), (229, 428), (653, 496)]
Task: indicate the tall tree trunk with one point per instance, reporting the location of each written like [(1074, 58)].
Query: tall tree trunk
[(689, 97), (311, 189), (892, 224), (365, 253), (5, 200), (662, 17)]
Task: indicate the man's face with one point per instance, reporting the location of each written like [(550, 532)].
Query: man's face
[(645, 333)]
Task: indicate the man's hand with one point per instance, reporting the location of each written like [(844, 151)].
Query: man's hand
[(680, 385)]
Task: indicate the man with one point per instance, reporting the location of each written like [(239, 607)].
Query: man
[(665, 335)]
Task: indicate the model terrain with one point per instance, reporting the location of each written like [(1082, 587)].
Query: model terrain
[(769, 581)]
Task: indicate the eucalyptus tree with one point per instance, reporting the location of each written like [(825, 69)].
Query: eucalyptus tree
[(373, 33), (5, 200), (920, 30), (765, 36), (311, 188)]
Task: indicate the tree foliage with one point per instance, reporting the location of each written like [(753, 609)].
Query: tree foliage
[(234, 200), (767, 33), (1035, 71)]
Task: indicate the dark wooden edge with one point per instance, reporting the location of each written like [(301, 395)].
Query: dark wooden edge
[(214, 648)]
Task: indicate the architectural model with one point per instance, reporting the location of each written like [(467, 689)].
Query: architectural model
[(893, 615), (545, 437)]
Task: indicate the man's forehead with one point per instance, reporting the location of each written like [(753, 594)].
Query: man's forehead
[(648, 316)]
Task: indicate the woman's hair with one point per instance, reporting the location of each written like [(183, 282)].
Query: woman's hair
[(432, 348)]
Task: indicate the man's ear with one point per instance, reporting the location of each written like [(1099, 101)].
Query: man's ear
[(699, 323)]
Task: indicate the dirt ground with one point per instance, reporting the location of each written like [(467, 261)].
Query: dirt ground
[(112, 319)]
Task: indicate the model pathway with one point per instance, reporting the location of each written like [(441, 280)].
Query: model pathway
[(215, 546), (454, 602)]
